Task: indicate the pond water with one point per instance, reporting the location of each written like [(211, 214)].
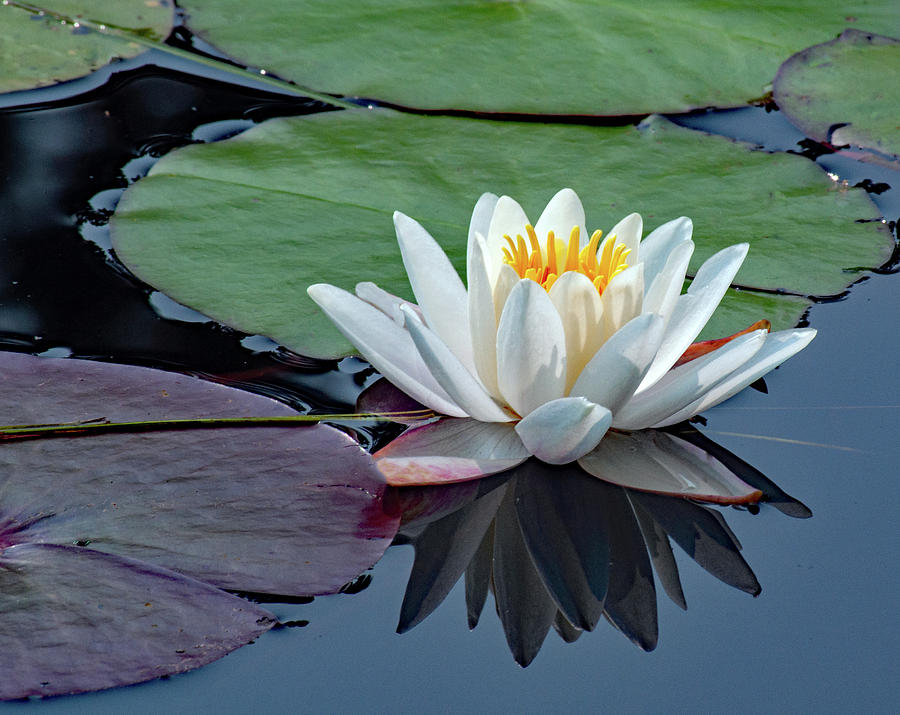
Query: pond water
[(820, 637)]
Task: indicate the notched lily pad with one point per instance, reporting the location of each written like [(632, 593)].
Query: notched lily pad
[(845, 91), (540, 56), (238, 229), (75, 620), (42, 45)]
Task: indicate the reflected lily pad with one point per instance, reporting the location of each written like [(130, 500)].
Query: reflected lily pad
[(543, 56), (845, 91), (43, 44), (285, 510), (76, 620), (238, 229)]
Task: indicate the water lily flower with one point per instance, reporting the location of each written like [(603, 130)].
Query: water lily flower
[(559, 336)]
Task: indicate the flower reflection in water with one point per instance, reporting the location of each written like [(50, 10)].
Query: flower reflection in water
[(559, 548)]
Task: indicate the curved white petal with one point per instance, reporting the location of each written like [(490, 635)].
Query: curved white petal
[(628, 231), (385, 344), (462, 386), (662, 295), (438, 289), (531, 349), (481, 216), (694, 308), (450, 450), (482, 316), (777, 348), (613, 374), (581, 310), (687, 383), (561, 431), (508, 219), (507, 279), (660, 242), (658, 462), (387, 303), (623, 299), (563, 212)]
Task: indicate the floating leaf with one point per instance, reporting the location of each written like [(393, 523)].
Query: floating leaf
[(75, 620), (286, 510), (43, 45), (845, 91), (544, 56), (238, 229)]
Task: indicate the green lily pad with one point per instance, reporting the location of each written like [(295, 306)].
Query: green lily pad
[(845, 91), (541, 56), (238, 229), (42, 45)]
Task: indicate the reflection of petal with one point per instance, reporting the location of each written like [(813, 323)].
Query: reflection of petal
[(478, 577), (697, 530), (558, 513), (450, 450), (443, 551), (523, 604), (656, 461), (660, 554), (772, 493)]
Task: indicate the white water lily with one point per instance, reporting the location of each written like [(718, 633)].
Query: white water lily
[(559, 336)]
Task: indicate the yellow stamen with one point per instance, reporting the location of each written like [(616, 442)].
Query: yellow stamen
[(545, 266)]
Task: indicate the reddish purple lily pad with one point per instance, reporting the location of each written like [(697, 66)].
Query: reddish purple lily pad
[(76, 620)]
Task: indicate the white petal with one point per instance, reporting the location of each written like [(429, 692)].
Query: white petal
[(613, 374), (658, 462), (660, 242), (462, 386), (622, 299), (628, 231), (662, 295), (563, 212), (687, 383), (694, 308), (450, 450), (531, 349), (438, 289), (563, 430), (508, 219), (777, 348), (387, 303), (385, 344), (481, 216), (507, 279), (581, 310), (482, 316)]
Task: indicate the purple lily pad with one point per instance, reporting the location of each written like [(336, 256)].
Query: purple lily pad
[(75, 620), (295, 510)]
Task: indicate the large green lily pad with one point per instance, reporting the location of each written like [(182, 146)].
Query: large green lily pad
[(239, 229), (845, 91), (41, 45), (541, 56)]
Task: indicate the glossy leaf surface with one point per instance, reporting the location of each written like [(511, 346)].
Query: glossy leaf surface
[(75, 620), (845, 91), (262, 230), (541, 56), (41, 44)]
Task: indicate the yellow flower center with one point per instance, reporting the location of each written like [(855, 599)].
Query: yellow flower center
[(545, 266)]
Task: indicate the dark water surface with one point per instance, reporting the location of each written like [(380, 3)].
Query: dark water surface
[(820, 638)]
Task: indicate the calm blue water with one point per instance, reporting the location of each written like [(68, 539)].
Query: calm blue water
[(820, 637)]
